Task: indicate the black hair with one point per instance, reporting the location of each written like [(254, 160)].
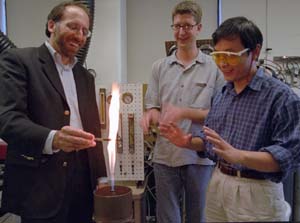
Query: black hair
[(249, 34)]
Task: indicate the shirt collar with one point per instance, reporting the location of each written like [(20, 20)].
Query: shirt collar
[(57, 57), (199, 59), (256, 82)]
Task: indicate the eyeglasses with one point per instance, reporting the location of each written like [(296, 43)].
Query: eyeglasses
[(230, 58), (76, 28), (185, 27)]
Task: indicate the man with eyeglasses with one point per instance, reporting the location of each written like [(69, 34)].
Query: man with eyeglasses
[(187, 79), (252, 132), (49, 118)]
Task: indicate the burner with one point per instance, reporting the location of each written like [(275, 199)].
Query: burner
[(113, 206)]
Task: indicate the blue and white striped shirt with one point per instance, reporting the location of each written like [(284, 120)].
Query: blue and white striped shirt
[(265, 116)]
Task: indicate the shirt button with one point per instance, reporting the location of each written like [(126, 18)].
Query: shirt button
[(66, 112), (65, 164)]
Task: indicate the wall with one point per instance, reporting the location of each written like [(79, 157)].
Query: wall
[(106, 49), (283, 31), (148, 27), (26, 21)]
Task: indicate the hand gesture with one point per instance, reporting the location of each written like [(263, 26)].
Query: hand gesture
[(175, 135), (171, 113), (221, 147), (151, 116), (69, 139)]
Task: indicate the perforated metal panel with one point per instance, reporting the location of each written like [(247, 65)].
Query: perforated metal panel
[(130, 146), (130, 159)]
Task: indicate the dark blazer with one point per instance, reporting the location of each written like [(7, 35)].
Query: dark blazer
[(32, 102)]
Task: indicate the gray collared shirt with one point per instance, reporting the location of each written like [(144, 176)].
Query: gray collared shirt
[(192, 86)]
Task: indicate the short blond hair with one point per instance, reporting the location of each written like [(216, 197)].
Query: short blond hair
[(188, 7)]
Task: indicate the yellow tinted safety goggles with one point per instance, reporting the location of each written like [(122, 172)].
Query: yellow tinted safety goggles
[(230, 58)]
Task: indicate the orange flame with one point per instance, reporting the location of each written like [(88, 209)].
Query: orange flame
[(113, 130)]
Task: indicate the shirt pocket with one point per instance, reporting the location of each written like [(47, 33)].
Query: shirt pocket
[(201, 95)]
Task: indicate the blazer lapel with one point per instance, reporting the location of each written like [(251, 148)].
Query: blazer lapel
[(50, 70)]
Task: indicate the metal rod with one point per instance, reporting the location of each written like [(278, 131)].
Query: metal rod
[(102, 139)]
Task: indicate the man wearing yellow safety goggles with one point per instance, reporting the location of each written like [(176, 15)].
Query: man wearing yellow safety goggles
[(251, 132), (235, 59)]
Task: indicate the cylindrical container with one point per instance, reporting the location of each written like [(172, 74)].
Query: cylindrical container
[(113, 206)]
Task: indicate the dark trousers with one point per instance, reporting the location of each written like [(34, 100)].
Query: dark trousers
[(78, 202)]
